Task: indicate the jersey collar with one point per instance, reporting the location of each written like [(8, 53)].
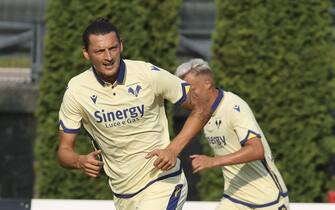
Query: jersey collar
[(120, 75), (217, 100)]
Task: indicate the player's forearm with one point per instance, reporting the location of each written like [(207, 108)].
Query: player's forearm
[(244, 155), (68, 158), (193, 125)]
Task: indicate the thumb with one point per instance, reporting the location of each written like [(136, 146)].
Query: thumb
[(95, 153)]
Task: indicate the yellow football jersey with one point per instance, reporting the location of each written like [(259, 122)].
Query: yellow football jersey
[(254, 184), (126, 119)]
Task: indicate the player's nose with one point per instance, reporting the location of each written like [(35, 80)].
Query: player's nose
[(108, 55)]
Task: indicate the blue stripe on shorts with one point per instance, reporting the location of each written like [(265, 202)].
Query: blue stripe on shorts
[(174, 199)]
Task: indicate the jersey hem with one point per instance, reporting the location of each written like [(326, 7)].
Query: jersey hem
[(251, 205), (68, 130), (130, 195)]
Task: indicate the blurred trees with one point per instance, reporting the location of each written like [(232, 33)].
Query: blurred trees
[(279, 57)]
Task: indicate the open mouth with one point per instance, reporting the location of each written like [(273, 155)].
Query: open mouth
[(108, 65)]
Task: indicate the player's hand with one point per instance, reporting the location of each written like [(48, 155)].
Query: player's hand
[(166, 159), (201, 162), (89, 163)]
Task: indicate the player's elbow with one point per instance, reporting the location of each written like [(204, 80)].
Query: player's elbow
[(63, 157), (260, 154), (255, 148), (60, 158)]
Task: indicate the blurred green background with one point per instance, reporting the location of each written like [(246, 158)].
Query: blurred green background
[(277, 55)]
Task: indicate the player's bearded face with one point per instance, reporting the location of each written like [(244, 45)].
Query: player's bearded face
[(104, 51)]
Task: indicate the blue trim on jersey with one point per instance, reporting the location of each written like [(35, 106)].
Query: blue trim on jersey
[(98, 77), (251, 205), (282, 207), (68, 130), (246, 137), (217, 100), (120, 75), (284, 194), (274, 178), (150, 183), (184, 96), (174, 199)]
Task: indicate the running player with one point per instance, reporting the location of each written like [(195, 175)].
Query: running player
[(120, 103), (252, 180)]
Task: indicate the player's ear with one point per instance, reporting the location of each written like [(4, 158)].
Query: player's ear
[(85, 53), (121, 45), (207, 82)]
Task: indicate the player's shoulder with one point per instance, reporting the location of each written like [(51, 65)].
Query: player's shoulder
[(143, 71), (81, 78), (233, 100), (230, 97), (142, 65)]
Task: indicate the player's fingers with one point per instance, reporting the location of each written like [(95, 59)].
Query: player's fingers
[(168, 165), (152, 153), (96, 153), (164, 166), (95, 162), (92, 171), (92, 168), (197, 167), (196, 170), (195, 161), (92, 174), (158, 162), (194, 165), (94, 165), (194, 156), (162, 162)]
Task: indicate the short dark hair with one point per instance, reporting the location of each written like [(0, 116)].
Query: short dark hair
[(99, 26)]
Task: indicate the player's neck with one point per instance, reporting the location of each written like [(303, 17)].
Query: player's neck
[(107, 79), (110, 80)]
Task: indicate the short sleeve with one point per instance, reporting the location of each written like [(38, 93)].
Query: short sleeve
[(69, 113), (243, 121), (168, 86)]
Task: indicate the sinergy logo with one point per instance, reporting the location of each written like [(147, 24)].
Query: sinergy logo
[(119, 117)]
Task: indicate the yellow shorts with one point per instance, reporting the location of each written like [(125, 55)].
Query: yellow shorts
[(167, 194), (226, 204)]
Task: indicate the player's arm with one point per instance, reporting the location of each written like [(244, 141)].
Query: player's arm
[(197, 119), (68, 158), (252, 150)]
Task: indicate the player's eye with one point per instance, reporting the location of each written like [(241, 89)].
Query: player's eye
[(99, 51)]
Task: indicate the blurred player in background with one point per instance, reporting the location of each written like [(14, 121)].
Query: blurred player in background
[(252, 180), (120, 103)]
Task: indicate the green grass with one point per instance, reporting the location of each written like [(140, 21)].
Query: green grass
[(21, 62)]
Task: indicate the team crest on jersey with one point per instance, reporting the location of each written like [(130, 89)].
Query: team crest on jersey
[(237, 108), (135, 91), (94, 98), (283, 207), (218, 123)]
